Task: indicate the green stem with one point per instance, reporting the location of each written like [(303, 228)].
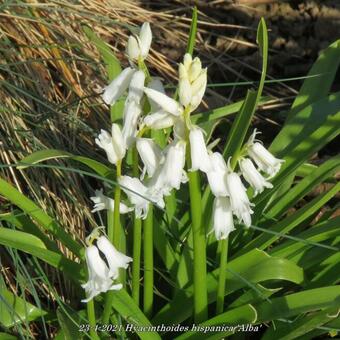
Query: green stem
[(114, 237), (222, 276), (92, 319), (137, 241), (199, 245), (148, 263)]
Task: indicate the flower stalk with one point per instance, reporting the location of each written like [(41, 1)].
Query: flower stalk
[(137, 241), (92, 319), (222, 276)]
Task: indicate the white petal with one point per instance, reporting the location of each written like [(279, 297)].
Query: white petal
[(252, 176), (218, 175), (195, 69), (200, 159), (150, 153), (104, 202), (118, 142), (104, 141), (117, 87), (132, 111), (114, 258), (222, 218), (145, 37), (166, 103), (136, 88), (184, 91), (159, 120), (133, 49), (157, 85), (239, 200), (198, 89)]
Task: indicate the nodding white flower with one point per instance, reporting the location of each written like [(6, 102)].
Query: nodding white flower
[(171, 174), (173, 165), (168, 104), (102, 202), (140, 195), (114, 145), (252, 176), (115, 259), (192, 82), (132, 112), (118, 86), (151, 155), (99, 280), (159, 120), (136, 87), (264, 159), (217, 176), (138, 46), (223, 222), (200, 159), (239, 200)]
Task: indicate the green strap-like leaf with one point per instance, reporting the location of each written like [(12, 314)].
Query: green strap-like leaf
[(48, 154), (14, 309), (32, 245), (38, 215)]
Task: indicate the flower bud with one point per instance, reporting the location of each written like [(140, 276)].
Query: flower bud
[(145, 37), (132, 48)]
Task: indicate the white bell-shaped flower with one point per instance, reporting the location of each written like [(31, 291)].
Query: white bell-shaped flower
[(138, 46), (140, 195), (172, 171), (114, 145), (118, 86), (136, 191), (167, 104), (252, 176), (136, 87), (102, 202), (115, 258), (239, 200), (151, 155), (159, 120), (217, 176), (99, 275), (223, 222), (132, 112), (200, 159), (264, 159)]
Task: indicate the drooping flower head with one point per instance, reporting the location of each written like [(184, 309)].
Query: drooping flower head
[(114, 145), (223, 222), (262, 157)]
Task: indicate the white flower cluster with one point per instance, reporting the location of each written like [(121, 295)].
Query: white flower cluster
[(101, 275), (164, 169)]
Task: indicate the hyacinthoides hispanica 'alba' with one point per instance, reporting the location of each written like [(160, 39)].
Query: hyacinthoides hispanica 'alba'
[(165, 170)]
